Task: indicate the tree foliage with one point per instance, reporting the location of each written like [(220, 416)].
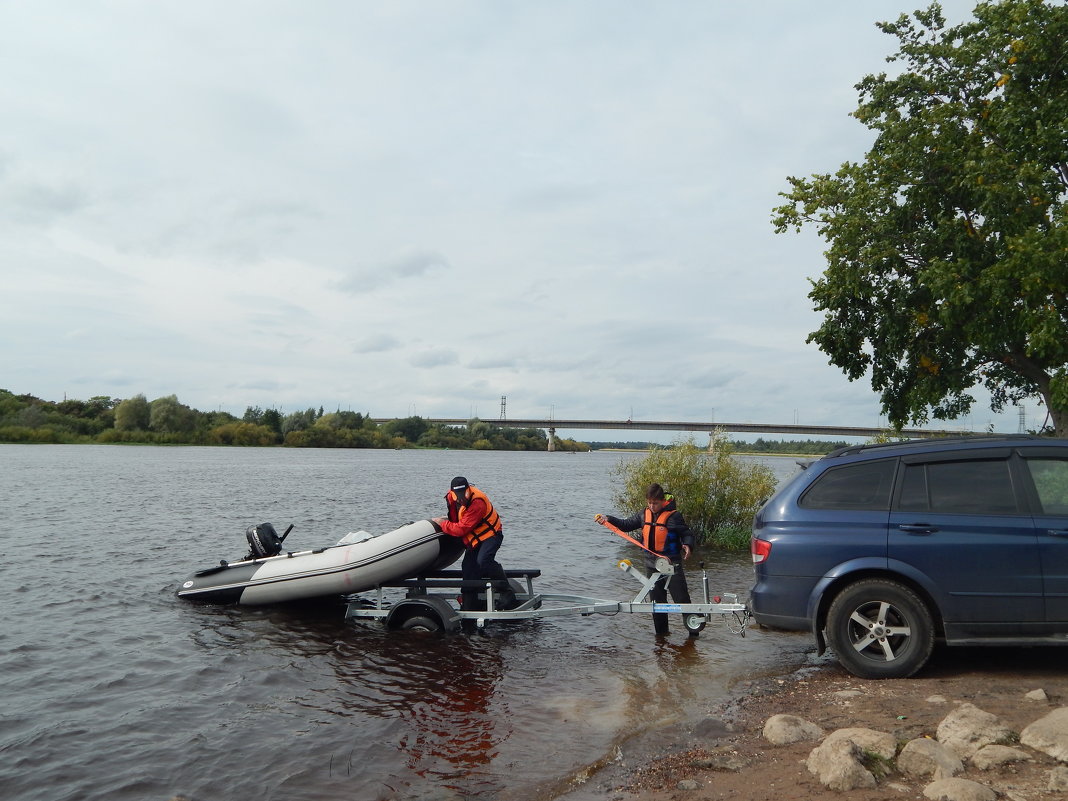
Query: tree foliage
[(132, 414), (25, 418), (168, 416), (716, 493), (948, 244), (166, 421)]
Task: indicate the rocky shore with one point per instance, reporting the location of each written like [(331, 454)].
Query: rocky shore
[(975, 725)]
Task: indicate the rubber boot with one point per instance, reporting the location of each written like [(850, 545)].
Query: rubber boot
[(660, 624)]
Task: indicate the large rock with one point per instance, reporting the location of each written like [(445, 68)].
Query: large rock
[(877, 742), (1049, 734), (837, 764), (1058, 779), (968, 728), (924, 757), (786, 729), (958, 790), (841, 761), (994, 756)]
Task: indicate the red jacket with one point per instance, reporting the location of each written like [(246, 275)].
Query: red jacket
[(473, 523)]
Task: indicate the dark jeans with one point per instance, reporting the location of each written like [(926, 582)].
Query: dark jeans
[(676, 585), (480, 562)]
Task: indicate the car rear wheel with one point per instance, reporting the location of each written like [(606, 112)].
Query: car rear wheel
[(880, 629)]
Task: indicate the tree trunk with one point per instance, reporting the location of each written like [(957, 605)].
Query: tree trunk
[(1059, 418)]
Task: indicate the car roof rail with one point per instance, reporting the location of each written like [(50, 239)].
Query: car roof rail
[(849, 450)]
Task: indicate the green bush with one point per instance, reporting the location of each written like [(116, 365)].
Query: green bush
[(31, 435), (717, 494), (241, 433)]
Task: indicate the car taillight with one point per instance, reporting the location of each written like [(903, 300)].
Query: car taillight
[(761, 550)]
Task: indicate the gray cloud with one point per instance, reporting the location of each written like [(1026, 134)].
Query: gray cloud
[(39, 204), (712, 379), (410, 265), (494, 363), (434, 358), (379, 343)]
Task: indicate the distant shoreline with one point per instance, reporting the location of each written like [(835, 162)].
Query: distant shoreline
[(735, 451)]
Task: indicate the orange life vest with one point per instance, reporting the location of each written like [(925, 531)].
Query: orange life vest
[(654, 532), (488, 526)]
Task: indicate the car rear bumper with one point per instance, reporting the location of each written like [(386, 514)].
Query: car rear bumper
[(781, 603)]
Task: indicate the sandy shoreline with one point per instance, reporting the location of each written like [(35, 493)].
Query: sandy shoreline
[(720, 753)]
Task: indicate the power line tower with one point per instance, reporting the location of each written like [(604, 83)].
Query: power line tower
[(504, 404), (1023, 419)]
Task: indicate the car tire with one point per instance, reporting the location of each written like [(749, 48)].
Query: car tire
[(880, 629)]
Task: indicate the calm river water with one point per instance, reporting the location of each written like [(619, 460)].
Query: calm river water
[(114, 689)]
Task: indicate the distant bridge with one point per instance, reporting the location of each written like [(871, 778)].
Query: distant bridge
[(553, 424)]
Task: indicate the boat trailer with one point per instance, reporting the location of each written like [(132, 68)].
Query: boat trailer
[(425, 608)]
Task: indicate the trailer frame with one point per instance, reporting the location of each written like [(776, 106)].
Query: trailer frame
[(424, 608)]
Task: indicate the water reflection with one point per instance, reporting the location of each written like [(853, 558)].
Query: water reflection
[(435, 696), (672, 656), (454, 730), (439, 694)]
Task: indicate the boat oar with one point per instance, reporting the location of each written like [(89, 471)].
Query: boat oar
[(620, 532)]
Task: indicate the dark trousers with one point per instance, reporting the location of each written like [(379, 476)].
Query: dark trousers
[(481, 562), (676, 585)]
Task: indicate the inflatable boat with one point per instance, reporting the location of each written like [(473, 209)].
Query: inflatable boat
[(360, 561)]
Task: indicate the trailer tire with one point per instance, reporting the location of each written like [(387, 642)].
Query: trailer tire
[(421, 623), (694, 623)]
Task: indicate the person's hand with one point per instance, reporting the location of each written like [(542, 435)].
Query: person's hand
[(686, 552), (599, 518)]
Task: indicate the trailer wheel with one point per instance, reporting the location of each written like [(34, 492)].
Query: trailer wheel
[(695, 623), (421, 623)]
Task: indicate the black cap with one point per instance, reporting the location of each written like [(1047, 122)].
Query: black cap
[(459, 483)]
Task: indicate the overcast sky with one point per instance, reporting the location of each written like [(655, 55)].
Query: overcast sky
[(419, 207)]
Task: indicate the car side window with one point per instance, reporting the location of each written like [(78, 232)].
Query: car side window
[(865, 485), (1051, 483), (969, 487), (914, 496)]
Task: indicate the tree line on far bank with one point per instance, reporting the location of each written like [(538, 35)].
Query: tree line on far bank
[(789, 447), (166, 421)]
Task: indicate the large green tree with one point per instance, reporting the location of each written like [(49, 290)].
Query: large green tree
[(947, 266), (168, 416), (133, 414)]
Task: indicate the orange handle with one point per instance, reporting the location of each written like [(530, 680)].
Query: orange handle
[(619, 532)]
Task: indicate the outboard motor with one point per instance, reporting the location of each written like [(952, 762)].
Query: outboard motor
[(263, 541)]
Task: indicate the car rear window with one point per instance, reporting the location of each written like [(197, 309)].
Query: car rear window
[(865, 485), (966, 487)]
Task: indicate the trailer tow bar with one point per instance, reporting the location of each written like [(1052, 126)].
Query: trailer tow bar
[(725, 604)]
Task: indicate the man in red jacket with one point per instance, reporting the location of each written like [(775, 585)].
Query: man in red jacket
[(474, 520)]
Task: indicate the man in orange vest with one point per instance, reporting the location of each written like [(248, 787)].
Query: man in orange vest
[(664, 530), (474, 520)]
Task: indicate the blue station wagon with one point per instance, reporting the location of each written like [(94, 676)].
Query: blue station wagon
[(880, 550)]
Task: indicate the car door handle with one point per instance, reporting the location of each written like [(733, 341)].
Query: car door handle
[(918, 529), (1057, 532)]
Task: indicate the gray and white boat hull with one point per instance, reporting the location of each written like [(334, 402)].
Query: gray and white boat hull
[(341, 569)]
